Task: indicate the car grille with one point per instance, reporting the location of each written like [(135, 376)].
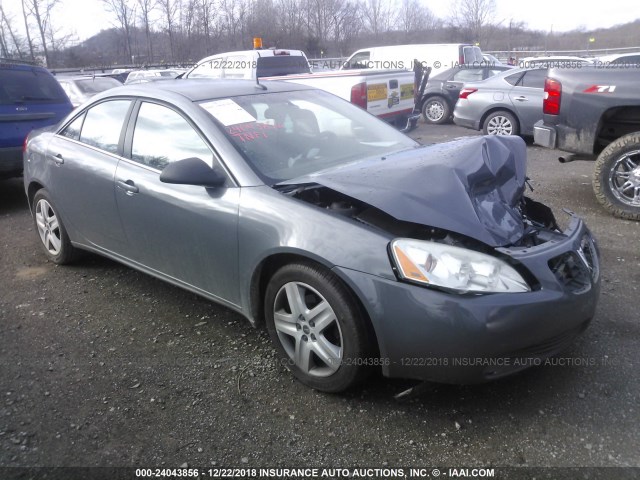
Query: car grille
[(576, 270)]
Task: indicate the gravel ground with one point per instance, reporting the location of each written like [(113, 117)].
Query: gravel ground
[(103, 366)]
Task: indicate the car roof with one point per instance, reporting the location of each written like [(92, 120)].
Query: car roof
[(199, 89), (614, 56)]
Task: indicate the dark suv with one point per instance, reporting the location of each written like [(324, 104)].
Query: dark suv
[(30, 98)]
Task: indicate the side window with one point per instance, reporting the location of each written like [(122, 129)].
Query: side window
[(468, 75), (73, 129), (513, 79), (359, 61), (162, 136), (534, 78), (103, 125)]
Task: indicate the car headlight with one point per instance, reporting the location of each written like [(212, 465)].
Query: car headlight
[(454, 268)]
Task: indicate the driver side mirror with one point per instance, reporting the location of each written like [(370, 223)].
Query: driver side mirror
[(192, 171)]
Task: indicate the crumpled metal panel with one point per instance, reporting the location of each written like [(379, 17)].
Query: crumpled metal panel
[(471, 186)]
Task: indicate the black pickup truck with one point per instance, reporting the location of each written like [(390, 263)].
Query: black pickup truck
[(594, 113)]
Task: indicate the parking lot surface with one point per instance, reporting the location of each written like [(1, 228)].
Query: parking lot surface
[(103, 366)]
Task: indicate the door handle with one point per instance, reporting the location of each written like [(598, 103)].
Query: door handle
[(128, 186), (58, 159), (522, 99)]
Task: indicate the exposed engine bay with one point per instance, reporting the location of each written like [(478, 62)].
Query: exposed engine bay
[(540, 223)]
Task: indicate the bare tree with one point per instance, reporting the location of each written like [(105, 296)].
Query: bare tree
[(6, 27), (377, 16), (146, 8), (347, 25), (169, 9), (40, 11), (415, 17), (27, 29), (125, 15), (473, 18)]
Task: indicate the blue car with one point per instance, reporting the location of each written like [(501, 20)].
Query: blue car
[(30, 98)]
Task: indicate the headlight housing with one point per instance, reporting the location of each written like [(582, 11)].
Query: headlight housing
[(454, 268)]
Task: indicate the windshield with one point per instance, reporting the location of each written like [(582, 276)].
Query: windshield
[(91, 86), (290, 134)]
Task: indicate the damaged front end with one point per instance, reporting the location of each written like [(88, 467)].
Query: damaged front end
[(457, 213)]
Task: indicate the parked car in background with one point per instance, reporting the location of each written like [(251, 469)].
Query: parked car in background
[(508, 103), (30, 98), (554, 61), (358, 247), (594, 114), (442, 90), (81, 89), (138, 74), (630, 59), (387, 94), (491, 60)]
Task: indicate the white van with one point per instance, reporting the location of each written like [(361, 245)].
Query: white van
[(435, 55)]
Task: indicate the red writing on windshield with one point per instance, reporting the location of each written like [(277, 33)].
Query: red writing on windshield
[(248, 132)]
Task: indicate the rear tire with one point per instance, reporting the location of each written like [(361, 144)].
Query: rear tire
[(317, 327), (53, 236), (616, 177), (436, 110), (501, 122)]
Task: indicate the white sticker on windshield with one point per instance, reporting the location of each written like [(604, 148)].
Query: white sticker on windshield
[(228, 112)]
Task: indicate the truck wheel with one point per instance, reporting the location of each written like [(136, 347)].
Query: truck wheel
[(436, 110), (500, 123), (616, 177)]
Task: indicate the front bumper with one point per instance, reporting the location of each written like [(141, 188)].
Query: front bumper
[(544, 135), (427, 334)]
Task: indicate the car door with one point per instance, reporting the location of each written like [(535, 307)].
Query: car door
[(184, 232), (86, 153), (452, 86), (527, 96)]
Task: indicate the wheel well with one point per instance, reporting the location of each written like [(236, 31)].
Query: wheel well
[(615, 123), (498, 109), (31, 192), (270, 265)]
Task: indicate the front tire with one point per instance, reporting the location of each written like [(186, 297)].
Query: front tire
[(317, 328), (53, 236), (500, 123), (616, 177), (436, 111)]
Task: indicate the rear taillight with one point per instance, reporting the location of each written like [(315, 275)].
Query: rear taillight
[(359, 95), (465, 92), (461, 59), (552, 95), (24, 143)]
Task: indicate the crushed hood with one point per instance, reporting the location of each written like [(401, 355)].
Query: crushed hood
[(471, 186)]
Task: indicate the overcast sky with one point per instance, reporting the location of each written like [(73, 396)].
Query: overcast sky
[(88, 17)]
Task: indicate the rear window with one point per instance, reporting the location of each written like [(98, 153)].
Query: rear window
[(97, 85), (279, 65), (27, 86)]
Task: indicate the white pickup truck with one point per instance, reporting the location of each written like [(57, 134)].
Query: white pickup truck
[(387, 94)]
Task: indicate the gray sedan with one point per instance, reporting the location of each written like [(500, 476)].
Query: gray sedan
[(357, 247), (508, 103)]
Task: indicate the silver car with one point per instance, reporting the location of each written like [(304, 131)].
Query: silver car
[(359, 248), (508, 103), (81, 89)]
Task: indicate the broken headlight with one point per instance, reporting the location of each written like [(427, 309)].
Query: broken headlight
[(454, 268)]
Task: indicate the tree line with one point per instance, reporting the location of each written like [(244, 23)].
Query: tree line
[(182, 31)]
